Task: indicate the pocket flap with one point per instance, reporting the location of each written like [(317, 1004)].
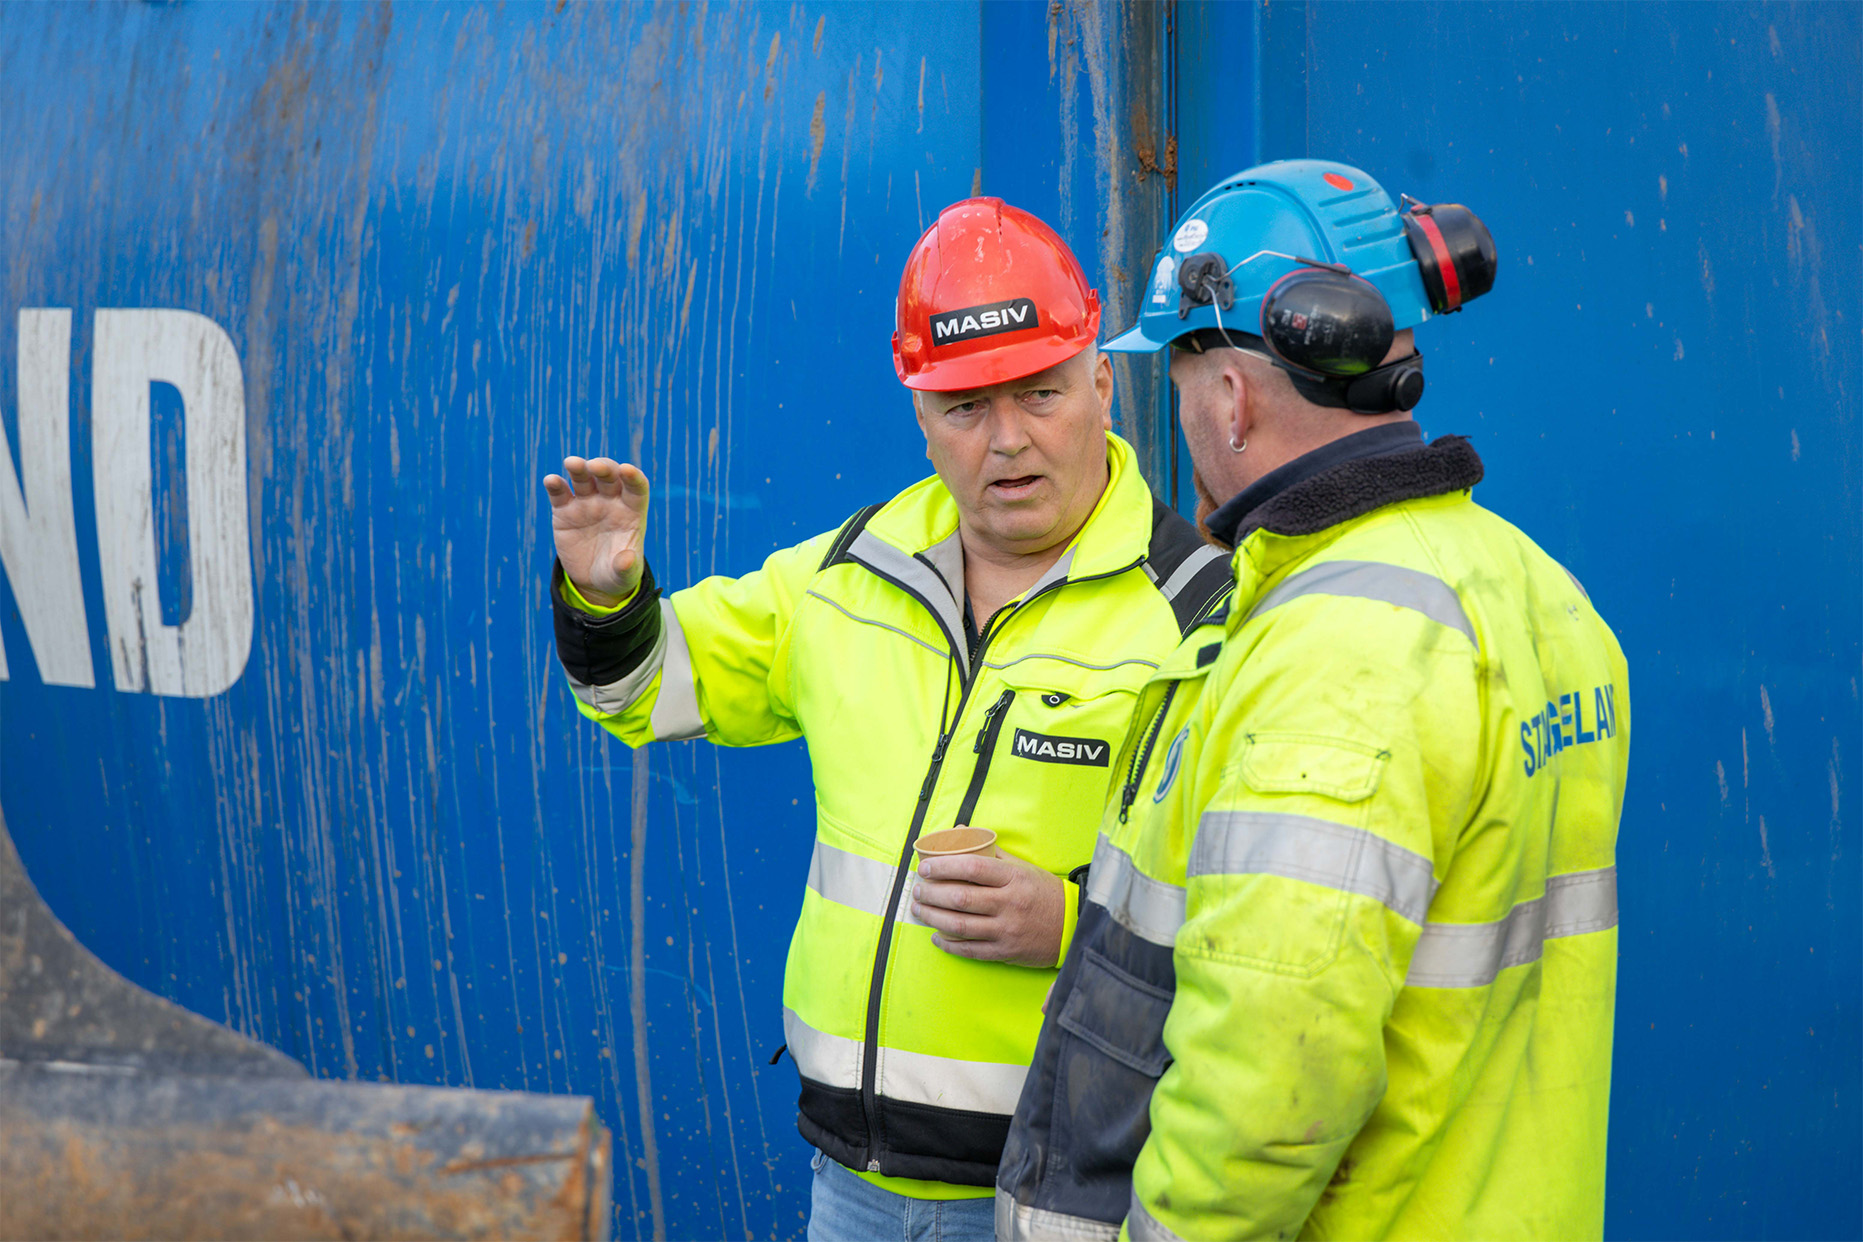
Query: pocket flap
[(1118, 1014), (1308, 763), (1052, 674)]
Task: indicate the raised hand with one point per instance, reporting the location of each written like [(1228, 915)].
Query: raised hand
[(599, 517)]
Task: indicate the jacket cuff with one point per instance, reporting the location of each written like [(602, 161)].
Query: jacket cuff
[(599, 649), (1070, 913), (576, 599)]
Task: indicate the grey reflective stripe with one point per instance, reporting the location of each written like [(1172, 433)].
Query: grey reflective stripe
[(676, 711), (1144, 1227), (1472, 955), (918, 577), (1316, 850), (1390, 584), (1018, 1222), (832, 1060), (618, 696), (1150, 909), (1193, 565), (946, 1082), (940, 652), (912, 1077), (857, 881)]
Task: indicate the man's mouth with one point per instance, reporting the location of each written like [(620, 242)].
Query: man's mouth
[(1016, 488)]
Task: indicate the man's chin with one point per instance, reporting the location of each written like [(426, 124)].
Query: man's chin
[(1026, 530)]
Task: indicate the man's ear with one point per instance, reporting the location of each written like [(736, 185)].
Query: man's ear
[(1236, 393), (1103, 387)]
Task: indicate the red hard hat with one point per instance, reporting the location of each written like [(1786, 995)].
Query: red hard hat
[(989, 294)]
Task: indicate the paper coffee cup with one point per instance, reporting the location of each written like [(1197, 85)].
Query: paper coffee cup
[(948, 842)]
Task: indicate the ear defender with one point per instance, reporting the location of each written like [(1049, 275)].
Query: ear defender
[(1326, 320), (1454, 251), (1332, 330)]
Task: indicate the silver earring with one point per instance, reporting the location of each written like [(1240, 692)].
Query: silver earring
[(1233, 446)]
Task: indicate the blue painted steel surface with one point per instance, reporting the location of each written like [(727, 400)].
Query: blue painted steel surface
[(1664, 386), (451, 244)]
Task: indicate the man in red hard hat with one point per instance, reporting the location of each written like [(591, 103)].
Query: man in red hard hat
[(965, 653)]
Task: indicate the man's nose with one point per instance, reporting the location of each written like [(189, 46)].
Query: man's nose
[(1008, 435)]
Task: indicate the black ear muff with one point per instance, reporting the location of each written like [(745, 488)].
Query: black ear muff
[(1202, 279), (1327, 321), (1454, 253)]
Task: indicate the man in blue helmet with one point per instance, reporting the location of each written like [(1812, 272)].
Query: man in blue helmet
[(1346, 960)]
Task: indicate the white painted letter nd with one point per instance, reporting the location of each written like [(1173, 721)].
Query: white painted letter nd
[(207, 652)]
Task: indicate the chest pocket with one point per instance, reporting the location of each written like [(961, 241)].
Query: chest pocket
[(1042, 777)]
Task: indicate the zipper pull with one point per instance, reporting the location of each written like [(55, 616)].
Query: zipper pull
[(931, 773), (996, 707)]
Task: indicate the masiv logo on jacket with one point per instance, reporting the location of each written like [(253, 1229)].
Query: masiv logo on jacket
[(1044, 749)]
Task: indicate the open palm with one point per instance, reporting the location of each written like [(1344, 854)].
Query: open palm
[(598, 514)]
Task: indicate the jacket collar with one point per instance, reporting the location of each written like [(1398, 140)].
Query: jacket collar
[(1281, 528), (1354, 488)]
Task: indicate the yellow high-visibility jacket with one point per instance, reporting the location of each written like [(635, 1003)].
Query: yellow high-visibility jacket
[(911, 1059), (1348, 960)]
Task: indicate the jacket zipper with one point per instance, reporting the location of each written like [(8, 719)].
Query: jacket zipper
[(1143, 756), (985, 749), (870, 1050), (870, 1045)]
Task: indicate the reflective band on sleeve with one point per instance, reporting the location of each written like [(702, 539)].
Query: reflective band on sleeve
[(1144, 1227), (1317, 851), (676, 711), (1391, 584), (618, 696), (1193, 565), (1150, 909), (1471, 955), (1018, 1222), (911, 1077), (865, 884), (916, 577)]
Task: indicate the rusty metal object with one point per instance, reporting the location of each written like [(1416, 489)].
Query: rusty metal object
[(89, 1152), (123, 1115)]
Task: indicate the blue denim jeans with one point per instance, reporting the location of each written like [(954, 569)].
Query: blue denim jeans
[(845, 1208)]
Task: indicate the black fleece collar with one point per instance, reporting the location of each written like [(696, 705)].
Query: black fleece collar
[(1351, 489)]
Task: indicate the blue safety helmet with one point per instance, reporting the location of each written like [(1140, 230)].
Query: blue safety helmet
[(1310, 209)]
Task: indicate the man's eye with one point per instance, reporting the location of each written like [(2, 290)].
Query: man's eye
[(1042, 394), (966, 409)]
